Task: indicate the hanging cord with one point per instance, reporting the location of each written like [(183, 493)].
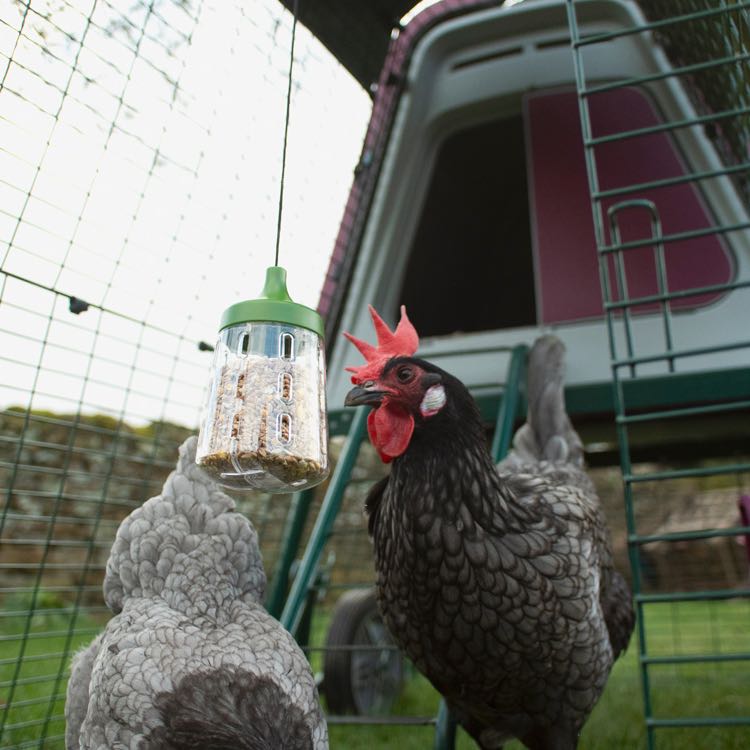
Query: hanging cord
[(286, 130)]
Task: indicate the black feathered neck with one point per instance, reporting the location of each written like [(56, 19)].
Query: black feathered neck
[(446, 472), (447, 462)]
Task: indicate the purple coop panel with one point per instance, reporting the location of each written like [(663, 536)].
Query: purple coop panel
[(745, 521), (568, 285)]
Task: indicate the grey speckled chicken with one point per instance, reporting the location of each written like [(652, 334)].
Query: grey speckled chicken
[(191, 658), (496, 581)]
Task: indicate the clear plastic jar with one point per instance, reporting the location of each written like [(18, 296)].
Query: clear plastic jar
[(264, 425)]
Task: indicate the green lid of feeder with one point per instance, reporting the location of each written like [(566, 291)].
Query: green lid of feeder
[(273, 306)]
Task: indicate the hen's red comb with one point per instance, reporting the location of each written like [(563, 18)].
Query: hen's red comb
[(402, 342)]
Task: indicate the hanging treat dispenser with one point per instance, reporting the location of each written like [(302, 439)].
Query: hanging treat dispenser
[(265, 425)]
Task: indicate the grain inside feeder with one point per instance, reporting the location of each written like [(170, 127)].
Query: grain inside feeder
[(265, 423)]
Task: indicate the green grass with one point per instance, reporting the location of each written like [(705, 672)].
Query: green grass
[(616, 723), (708, 689), (695, 690), (33, 671)]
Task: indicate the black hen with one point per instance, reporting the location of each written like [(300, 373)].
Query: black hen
[(496, 581)]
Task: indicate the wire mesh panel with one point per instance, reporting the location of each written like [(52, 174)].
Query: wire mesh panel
[(140, 144), (685, 218)]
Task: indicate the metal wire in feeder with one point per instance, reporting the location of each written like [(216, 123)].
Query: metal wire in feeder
[(265, 425)]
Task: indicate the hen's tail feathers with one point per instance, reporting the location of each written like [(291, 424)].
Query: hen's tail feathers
[(617, 606), (548, 434), (229, 709), (77, 694)]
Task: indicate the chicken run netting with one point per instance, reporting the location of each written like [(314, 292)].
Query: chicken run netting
[(135, 136)]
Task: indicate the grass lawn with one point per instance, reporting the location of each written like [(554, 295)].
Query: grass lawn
[(35, 675), (691, 690), (688, 628)]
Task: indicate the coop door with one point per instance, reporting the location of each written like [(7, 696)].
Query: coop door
[(567, 270)]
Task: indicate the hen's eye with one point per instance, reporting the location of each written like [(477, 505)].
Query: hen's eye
[(404, 374)]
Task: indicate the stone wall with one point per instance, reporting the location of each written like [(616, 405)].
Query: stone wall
[(68, 481)]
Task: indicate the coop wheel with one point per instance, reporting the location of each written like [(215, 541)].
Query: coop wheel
[(365, 682)]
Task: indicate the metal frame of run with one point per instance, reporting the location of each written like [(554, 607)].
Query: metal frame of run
[(712, 71)]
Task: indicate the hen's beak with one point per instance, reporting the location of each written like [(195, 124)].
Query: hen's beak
[(358, 396)]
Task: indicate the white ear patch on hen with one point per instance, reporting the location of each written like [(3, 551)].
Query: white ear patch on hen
[(433, 401)]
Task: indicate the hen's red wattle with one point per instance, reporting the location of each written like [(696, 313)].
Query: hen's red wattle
[(390, 427)]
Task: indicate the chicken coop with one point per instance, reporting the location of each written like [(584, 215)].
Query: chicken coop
[(580, 167)]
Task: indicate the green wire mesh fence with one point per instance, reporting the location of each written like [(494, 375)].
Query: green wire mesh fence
[(129, 156), (693, 608), (140, 143)]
